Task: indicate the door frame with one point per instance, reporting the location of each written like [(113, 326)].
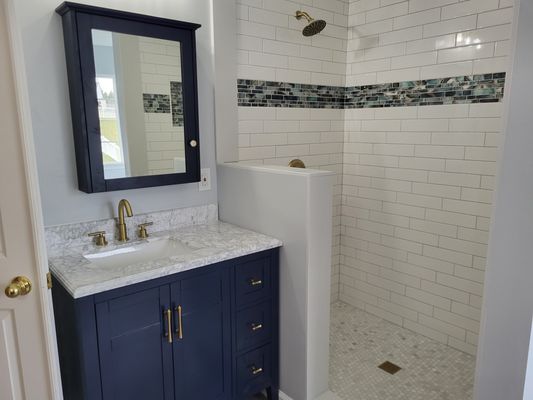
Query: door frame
[(34, 196)]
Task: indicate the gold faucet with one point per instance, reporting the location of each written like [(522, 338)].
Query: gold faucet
[(122, 229)]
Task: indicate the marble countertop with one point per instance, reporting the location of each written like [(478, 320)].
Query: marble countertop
[(210, 243)]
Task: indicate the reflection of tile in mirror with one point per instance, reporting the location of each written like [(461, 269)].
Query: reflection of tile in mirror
[(161, 103), (156, 103), (163, 110), (177, 103)]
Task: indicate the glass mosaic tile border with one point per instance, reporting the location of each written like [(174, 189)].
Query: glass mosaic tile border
[(482, 88)]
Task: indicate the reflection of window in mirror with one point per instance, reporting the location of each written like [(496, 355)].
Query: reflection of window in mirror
[(113, 155), (139, 90)]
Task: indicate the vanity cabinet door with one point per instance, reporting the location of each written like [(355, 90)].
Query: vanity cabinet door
[(135, 353), (202, 346)]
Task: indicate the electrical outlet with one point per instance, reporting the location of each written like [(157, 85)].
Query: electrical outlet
[(205, 179)]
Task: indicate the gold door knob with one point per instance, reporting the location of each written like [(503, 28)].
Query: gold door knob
[(193, 143), (20, 286)]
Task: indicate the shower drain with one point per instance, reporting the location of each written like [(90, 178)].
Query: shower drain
[(389, 367)]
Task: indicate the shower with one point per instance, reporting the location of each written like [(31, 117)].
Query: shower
[(313, 27)]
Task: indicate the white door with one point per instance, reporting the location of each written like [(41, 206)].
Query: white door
[(24, 371)]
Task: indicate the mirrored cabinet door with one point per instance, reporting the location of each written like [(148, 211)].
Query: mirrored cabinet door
[(140, 105), (133, 92)]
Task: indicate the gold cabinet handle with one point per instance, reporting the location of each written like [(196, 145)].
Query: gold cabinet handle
[(168, 334), (256, 327), (143, 233), (255, 370), (99, 238), (193, 143), (20, 286), (179, 330), (255, 282)]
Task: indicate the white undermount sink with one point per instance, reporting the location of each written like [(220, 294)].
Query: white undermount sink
[(141, 252)]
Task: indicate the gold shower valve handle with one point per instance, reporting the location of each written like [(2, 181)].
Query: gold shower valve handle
[(20, 286)]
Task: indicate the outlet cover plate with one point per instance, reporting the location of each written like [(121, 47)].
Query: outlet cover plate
[(205, 179)]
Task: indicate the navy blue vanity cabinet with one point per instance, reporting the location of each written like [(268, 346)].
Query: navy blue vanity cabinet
[(209, 334), (135, 358), (202, 336), (256, 325)]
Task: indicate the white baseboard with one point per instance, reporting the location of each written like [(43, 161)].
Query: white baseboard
[(329, 395), (283, 396)]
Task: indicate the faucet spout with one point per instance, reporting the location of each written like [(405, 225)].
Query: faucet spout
[(123, 206)]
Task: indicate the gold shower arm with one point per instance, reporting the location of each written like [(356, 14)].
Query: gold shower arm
[(302, 14)]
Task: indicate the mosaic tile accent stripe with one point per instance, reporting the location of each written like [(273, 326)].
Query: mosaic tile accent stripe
[(156, 103), (296, 95), (484, 88)]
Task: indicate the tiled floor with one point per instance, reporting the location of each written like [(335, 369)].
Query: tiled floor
[(360, 342)]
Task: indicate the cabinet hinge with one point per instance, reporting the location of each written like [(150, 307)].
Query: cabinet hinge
[(49, 280)]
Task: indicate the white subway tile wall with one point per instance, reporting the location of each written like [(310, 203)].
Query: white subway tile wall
[(416, 203), (271, 45), (390, 41), (412, 201)]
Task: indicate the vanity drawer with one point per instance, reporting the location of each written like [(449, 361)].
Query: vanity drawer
[(253, 280), (254, 371), (254, 325)]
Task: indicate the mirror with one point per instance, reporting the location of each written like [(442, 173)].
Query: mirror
[(133, 93), (140, 105)]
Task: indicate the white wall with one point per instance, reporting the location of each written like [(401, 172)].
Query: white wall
[(225, 34), (528, 386), (508, 296), (300, 219), (50, 108)]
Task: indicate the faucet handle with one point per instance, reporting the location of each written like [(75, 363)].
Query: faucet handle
[(99, 238), (143, 233)]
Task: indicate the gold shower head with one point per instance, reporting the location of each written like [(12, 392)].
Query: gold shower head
[(313, 26)]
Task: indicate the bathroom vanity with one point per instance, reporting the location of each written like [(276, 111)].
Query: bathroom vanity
[(200, 323), (188, 308)]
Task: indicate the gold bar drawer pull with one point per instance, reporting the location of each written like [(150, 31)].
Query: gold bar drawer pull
[(179, 329), (255, 370), (256, 327), (168, 333), (255, 282)]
